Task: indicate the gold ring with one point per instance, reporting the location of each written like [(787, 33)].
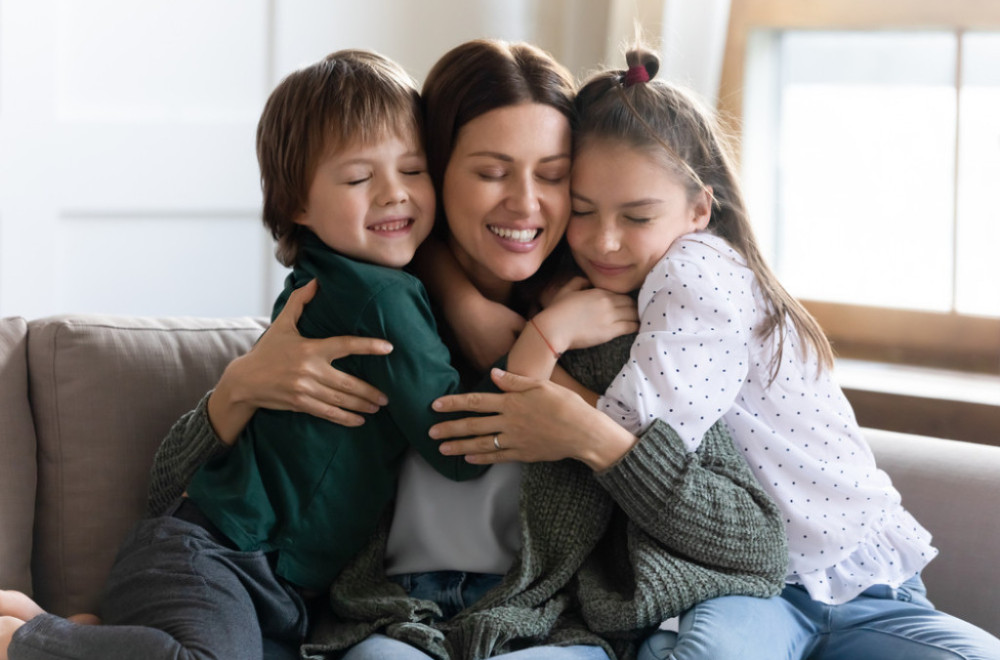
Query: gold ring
[(496, 441)]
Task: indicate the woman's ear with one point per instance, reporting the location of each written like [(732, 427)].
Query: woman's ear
[(702, 207)]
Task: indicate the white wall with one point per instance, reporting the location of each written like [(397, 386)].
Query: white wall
[(128, 182)]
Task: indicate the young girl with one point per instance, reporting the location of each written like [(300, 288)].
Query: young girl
[(657, 207), (656, 204)]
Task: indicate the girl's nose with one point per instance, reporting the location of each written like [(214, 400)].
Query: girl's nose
[(607, 238)]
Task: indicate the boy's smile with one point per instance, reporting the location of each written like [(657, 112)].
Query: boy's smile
[(373, 203)]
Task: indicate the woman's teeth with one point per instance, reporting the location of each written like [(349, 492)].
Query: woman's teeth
[(519, 235)]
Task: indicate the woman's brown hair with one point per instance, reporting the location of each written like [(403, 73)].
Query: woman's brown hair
[(479, 76)]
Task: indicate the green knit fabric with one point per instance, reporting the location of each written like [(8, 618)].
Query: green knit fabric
[(603, 560)]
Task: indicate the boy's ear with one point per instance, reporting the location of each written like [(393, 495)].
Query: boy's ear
[(702, 208)]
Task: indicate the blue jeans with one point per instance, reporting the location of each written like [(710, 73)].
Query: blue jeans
[(453, 591), (881, 624), (178, 590)]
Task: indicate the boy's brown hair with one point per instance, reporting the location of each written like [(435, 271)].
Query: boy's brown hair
[(349, 97)]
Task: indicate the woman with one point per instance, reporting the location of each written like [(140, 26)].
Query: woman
[(535, 560)]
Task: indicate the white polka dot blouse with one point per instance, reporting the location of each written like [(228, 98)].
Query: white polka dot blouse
[(697, 359)]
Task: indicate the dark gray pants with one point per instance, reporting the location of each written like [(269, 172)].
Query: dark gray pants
[(177, 591)]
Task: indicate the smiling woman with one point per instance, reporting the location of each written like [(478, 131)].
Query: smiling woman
[(505, 194)]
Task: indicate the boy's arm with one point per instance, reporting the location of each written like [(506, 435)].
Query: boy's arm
[(484, 330), (416, 372)]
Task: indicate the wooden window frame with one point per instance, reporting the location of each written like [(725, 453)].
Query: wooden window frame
[(949, 340)]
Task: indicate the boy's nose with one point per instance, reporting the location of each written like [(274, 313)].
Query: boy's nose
[(394, 192)]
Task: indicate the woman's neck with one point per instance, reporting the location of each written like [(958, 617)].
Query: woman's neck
[(491, 286)]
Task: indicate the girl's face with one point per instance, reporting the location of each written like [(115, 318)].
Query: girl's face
[(628, 208), (506, 193)]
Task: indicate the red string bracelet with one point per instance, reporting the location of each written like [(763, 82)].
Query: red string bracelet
[(539, 331)]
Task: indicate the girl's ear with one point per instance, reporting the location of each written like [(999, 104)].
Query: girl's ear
[(702, 207)]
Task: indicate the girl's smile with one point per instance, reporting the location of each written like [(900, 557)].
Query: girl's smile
[(628, 208)]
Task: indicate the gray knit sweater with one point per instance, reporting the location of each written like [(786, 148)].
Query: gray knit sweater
[(604, 559)]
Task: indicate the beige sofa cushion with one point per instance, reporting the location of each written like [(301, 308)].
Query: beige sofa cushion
[(105, 391), (17, 457), (953, 489)]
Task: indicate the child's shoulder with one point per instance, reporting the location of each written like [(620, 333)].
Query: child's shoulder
[(702, 246)]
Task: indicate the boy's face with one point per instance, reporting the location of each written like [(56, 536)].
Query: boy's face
[(628, 209), (373, 203)]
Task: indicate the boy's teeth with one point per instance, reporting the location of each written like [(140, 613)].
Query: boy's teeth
[(391, 226), (519, 235)]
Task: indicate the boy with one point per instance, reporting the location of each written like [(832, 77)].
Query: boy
[(348, 199)]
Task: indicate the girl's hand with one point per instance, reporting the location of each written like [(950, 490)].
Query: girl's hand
[(284, 371), (533, 420), (580, 317)]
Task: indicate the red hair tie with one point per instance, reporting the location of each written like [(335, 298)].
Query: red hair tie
[(636, 74)]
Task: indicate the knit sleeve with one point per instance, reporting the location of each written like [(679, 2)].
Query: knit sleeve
[(190, 443), (705, 505)]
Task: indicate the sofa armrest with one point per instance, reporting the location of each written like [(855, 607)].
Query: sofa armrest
[(105, 390), (952, 488), (17, 457)]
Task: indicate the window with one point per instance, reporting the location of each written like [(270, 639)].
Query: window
[(871, 153)]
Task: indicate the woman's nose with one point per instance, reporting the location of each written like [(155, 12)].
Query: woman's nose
[(522, 197)]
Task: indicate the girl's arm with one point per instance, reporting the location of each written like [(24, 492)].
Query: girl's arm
[(283, 371), (576, 318)]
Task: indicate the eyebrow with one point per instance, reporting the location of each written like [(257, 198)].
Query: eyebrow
[(365, 161), (508, 159), (646, 201)]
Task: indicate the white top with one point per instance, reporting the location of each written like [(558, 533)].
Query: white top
[(444, 525), (697, 359)]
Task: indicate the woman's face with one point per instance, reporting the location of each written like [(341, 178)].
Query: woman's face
[(506, 193)]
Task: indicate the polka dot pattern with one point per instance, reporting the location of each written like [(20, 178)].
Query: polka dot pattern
[(697, 359)]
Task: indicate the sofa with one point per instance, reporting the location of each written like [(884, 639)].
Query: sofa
[(86, 399)]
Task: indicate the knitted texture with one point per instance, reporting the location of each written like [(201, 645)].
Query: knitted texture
[(604, 559)]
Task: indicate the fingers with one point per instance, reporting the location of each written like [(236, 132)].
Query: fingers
[(511, 382), (338, 347), (483, 402), (465, 427), (297, 302)]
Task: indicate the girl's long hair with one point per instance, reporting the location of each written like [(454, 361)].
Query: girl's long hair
[(670, 124)]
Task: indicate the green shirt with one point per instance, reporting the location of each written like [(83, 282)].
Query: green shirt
[(313, 491)]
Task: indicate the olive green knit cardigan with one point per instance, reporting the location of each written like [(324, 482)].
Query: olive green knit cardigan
[(605, 557)]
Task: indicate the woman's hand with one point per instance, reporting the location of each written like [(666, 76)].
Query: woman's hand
[(284, 371), (580, 316), (533, 420)]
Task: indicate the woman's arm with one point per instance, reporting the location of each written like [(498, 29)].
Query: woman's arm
[(283, 371), (705, 504)]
